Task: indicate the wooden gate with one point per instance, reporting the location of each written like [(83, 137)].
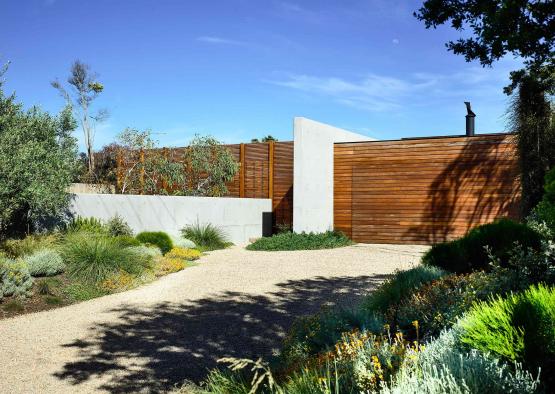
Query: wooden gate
[(423, 191)]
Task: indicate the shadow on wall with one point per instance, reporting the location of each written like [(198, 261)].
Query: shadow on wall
[(478, 186), (174, 342)]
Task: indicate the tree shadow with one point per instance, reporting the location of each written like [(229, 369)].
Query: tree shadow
[(480, 185), (162, 345)]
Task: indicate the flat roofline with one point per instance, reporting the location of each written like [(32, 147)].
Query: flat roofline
[(426, 138)]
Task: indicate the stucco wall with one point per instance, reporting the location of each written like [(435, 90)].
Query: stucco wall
[(240, 218), (313, 173)]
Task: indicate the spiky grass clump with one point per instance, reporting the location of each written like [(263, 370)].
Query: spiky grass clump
[(45, 262), (301, 241), (15, 248), (88, 225), (92, 259), (206, 236)]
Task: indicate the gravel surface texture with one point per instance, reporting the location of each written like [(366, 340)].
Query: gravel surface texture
[(234, 303)]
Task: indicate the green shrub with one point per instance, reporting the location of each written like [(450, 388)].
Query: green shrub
[(116, 226), (92, 259), (399, 286), (181, 242), (442, 367), (206, 236), (469, 253), (15, 248), (301, 241), (45, 262), (543, 215), (13, 306), (126, 241), (53, 300), (312, 335), (49, 286), (519, 327), (15, 279), (158, 238), (144, 250), (89, 225)]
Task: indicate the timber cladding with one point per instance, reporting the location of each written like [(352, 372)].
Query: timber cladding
[(424, 191)]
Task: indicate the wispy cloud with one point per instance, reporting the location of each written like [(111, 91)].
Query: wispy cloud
[(378, 93), (220, 41)]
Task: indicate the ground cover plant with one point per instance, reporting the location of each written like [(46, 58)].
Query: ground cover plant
[(88, 259), (301, 241)]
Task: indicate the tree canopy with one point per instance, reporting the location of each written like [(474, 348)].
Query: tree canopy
[(38, 156), (524, 28)]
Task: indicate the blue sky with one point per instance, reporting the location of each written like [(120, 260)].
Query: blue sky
[(239, 69)]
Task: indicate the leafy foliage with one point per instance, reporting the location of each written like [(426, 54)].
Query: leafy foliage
[(519, 327), (91, 259), (183, 253), (116, 226), (38, 157), (149, 169), (532, 121), (469, 252), (523, 28), (206, 236), (209, 166), (15, 248), (301, 241), (400, 286), (45, 262), (442, 367), (544, 212), (90, 225), (158, 238), (15, 279)]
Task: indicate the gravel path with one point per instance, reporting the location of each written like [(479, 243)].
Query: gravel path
[(234, 303)]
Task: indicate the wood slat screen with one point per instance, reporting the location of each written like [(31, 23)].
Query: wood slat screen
[(257, 170), (423, 191)]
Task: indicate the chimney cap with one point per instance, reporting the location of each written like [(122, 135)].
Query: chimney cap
[(468, 109)]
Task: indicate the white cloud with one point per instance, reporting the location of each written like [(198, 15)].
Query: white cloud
[(378, 93), (220, 40), (395, 41)]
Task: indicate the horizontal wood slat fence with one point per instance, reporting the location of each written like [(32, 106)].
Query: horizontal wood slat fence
[(423, 191), (266, 171)]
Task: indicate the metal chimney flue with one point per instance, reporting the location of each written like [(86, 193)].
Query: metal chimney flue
[(470, 116)]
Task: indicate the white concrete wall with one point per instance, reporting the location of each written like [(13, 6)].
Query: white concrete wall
[(313, 173), (240, 218)]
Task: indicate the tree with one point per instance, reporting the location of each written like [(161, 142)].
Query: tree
[(84, 90), (524, 28), (533, 123), (38, 156), (209, 166), (147, 170), (267, 138)]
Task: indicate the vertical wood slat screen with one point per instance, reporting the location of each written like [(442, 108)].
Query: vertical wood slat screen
[(262, 163), (423, 191)]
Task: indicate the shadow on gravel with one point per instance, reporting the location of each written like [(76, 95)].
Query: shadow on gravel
[(173, 342)]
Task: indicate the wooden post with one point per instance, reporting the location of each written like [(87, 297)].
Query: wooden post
[(142, 172), (271, 149), (242, 171)]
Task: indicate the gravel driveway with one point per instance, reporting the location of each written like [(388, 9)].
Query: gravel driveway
[(234, 303)]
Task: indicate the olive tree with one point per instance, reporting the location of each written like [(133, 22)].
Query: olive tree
[(38, 157)]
